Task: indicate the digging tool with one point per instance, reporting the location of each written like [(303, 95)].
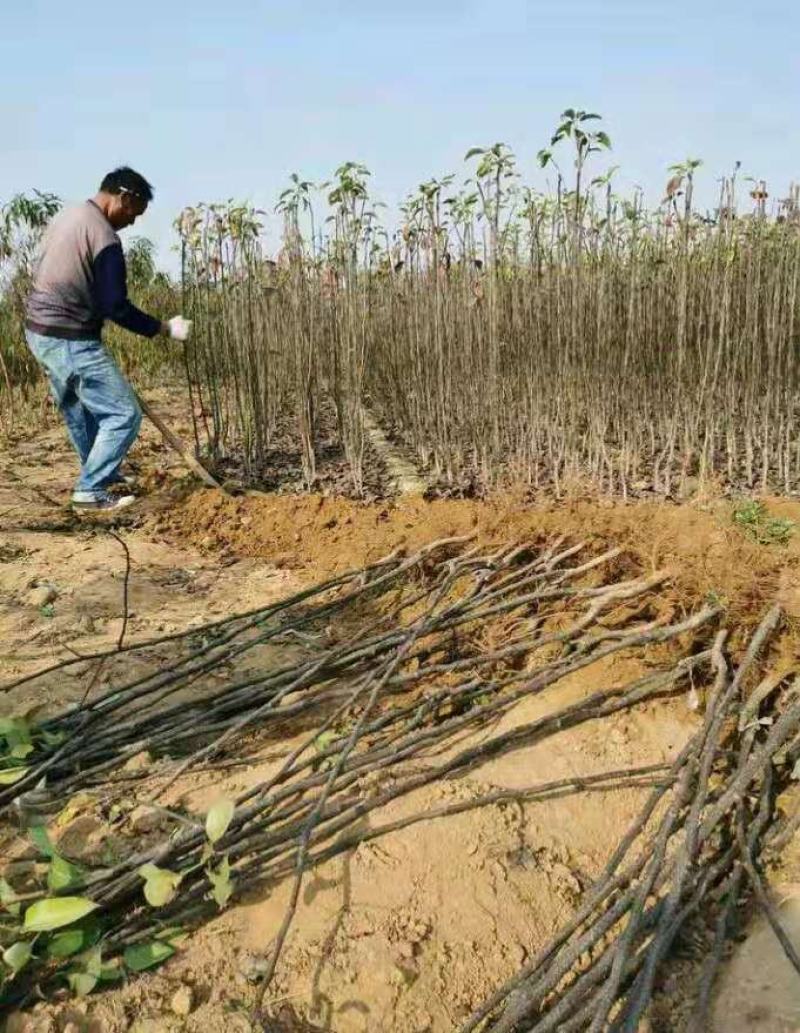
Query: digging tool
[(175, 442)]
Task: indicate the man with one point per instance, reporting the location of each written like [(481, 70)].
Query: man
[(79, 282)]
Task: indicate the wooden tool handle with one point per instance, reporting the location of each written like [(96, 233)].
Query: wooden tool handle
[(175, 442)]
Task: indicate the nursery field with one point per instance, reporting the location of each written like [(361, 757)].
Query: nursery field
[(469, 700)]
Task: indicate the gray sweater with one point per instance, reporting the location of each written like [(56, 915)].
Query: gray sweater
[(80, 280)]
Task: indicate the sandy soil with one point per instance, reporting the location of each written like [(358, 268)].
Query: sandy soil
[(410, 932)]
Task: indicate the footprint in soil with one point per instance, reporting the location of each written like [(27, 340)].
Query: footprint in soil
[(354, 1005)]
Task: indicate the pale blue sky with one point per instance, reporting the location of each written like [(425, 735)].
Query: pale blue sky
[(218, 99)]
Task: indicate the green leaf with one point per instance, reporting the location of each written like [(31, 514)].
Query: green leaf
[(18, 955), (61, 875), (93, 961), (15, 727), (222, 886), (48, 610), (603, 138), (12, 775), (17, 734), (81, 983), (160, 884), (147, 955), (472, 152), (218, 819), (55, 912), (40, 838), (64, 945), (21, 751), (111, 973), (75, 940)]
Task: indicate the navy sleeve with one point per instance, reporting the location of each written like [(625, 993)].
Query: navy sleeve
[(111, 294)]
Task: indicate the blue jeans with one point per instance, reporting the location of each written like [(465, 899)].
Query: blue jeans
[(98, 405)]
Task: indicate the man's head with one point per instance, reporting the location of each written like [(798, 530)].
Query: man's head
[(124, 196)]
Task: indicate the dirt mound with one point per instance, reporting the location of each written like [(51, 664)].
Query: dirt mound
[(319, 535)]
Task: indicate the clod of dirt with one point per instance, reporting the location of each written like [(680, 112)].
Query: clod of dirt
[(41, 595), (182, 1001), (37, 1023), (253, 967), (150, 1026), (144, 819), (85, 624), (10, 552), (287, 1021), (138, 762)]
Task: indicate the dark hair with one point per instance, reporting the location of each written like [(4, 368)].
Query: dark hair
[(124, 179)]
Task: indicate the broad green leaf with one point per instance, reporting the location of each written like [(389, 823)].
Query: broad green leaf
[(11, 775), (64, 945), (17, 956), (73, 941), (160, 884), (93, 961), (21, 751), (218, 819), (111, 973), (147, 955), (55, 912), (61, 875), (15, 729), (222, 886), (81, 983), (41, 840)]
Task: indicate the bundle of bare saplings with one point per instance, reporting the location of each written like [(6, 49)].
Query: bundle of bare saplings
[(390, 665)]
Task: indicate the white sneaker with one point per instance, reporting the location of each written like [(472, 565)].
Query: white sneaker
[(104, 504)]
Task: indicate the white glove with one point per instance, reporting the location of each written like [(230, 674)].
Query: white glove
[(179, 328)]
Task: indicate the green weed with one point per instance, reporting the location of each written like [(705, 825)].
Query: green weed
[(752, 517)]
